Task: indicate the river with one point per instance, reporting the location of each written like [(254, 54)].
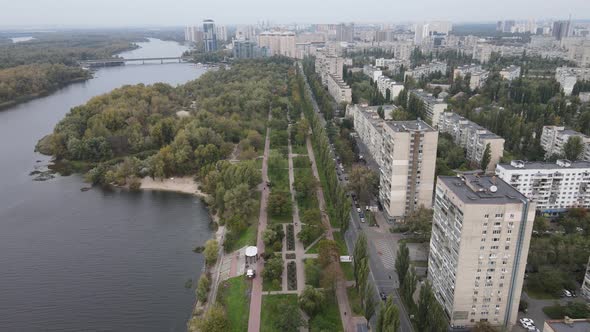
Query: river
[(96, 260)]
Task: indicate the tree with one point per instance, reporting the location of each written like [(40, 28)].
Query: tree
[(408, 289), (289, 319), (238, 202), (388, 318), (273, 268), (483, 326), (430, 315), (214, 320), (359, 254), (380, 112), (486, 158), (279, 204), (369, 302), (573, 148), (329, 252), (364, 182), (203, 287), (419, 222), (402, 262), (211, 251), (311, 300)]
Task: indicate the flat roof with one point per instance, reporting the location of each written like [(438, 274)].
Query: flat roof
[(528, 165), (578, 325), (403, 126), (456, 118), (475, 189)]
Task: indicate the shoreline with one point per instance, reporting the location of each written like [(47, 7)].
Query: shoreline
[(184, 185)]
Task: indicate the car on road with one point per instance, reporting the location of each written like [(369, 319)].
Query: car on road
[(566, 293), (363, 219), (526, 322), (358, 209)]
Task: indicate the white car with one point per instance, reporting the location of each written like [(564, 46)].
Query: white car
[(358, 210), (526, 322)]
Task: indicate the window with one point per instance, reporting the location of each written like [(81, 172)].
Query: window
[(486, 215), (506, 247), (496, 231), (482, 248), (499, 215), (484, 232)]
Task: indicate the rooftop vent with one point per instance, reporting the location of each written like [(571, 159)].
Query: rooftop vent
[(493, 189)]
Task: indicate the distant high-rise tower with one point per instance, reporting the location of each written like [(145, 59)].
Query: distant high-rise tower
[(561, 29), (209, 35)]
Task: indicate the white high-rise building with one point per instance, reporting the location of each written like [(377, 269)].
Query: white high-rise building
[(553, 138), (433, 107), (481, 232), (278, 43), (555, 187)]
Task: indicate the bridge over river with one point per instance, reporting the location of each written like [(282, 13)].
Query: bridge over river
[(121, 61)]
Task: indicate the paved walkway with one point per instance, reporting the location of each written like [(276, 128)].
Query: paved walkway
[(299, 248), (348, 322), (256, 296)]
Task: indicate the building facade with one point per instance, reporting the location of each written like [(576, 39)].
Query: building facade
[(433, 107), (278, 43), (481, 232), (567, 77), (385, 83), (339, 90), (329, 67), (425, 70), (510, 73), (586, 283), (407, 170), (473, 138), (555, 187), (209, 35), (553, 138), (478, 76)]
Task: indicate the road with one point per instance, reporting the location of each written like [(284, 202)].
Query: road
[(380, 272)]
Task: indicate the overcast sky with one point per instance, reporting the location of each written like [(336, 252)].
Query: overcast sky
[(184, 12)]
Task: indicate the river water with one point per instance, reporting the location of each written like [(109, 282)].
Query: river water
[(95, 260)]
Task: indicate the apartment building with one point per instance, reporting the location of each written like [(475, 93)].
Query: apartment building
[(478, 76), (338, 89), (473, 138), (393, 65), (278, 43), (433, 107), (481, 232), (368, 125), (567, 77), (567, 325), (510, 73), (555, 187), (373, 72), (407, 169), (385, 83), (554, 138), (425, 70)]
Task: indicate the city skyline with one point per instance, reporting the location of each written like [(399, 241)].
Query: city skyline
[(151, 13)]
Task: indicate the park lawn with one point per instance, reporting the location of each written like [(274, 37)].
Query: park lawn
[(302, 162), (235, 297), (328, 319), (314, 249), (299, 149), (259, 163), (247, 238), (309, 201), (355, 300), (279, 178), (269, 310), (268, 285), (280, 219), (341, 243), (312, 272), (348, 270)]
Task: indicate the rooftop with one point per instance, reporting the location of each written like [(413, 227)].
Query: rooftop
[(407, 126), (575, 325), (519, 164), (456, 118), (475, 189), (426, 97)]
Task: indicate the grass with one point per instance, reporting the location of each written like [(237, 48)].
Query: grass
[(268, 285), (299, 149), (302, 162), (314, 249), (341, 243), (348, 271), (312, 272), (309, 201), (247, 238), (234, 295), (328, 319), (355, 300), (279, 178), (280, 219), (540, 295), (269, 310)]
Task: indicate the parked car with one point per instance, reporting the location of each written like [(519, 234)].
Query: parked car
[(363, 219), (566, 293), (526, 322), (358, 209)]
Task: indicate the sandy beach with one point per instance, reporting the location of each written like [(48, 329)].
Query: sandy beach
[(184, 184)]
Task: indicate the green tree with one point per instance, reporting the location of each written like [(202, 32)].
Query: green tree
[(364, 182), (360, 253), (369, 302), (408, 289), (388, 318), (429, 316), (311, 300), (211, 251), (289, 319), (329, 252), (573, 148), (214, 320), (402, 262), (279, 204), (273, 268), (486, 158), (203, 287)]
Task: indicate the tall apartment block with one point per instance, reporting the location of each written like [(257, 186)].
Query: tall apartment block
[(586, 283), (209, 35), (473, 138), (555, 187), (408, 163), (434, 107), (329, 67), (510, 73), (478, 76), (553, 138), (481, 233), (568, 76), (425, 70), (406, 154)]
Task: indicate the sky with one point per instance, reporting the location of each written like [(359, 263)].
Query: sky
[(117, 13)]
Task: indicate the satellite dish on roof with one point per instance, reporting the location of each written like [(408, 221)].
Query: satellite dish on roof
[(493, 189)]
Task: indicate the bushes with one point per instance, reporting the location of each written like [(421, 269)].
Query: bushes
[(203, 287), (290, 237), (310, 233), (211, 251), (273, 268), (273, 238), (291, 276), (279, 204), (573, 310)]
